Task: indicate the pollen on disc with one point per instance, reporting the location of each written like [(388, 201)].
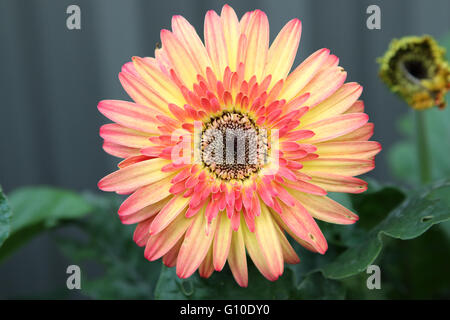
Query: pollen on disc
[(233, 146)]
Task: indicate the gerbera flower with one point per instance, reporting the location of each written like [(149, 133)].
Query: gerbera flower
[(198, 207), (415, 68)]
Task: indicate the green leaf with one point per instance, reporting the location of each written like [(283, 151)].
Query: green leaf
[(5, 217), (108, 244), (375, 204), (36, 209), (315, 286), (417, 269), (413, 217), (221, 285)]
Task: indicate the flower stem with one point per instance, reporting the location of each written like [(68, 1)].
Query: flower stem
[(423, 153)]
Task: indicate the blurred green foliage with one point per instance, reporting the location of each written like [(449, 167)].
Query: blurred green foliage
[(108, 243), (36, 209), (402, 156)]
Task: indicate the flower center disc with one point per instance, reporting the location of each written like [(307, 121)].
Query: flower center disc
[(233, 146)]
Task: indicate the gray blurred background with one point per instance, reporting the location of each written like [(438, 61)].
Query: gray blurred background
[(52, 78)]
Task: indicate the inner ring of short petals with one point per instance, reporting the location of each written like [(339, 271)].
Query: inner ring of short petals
[(233, 146)]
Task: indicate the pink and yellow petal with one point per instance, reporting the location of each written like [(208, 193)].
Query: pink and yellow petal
[(143, 214), (257, 33), (282, 52), (300, 77), (337, 183), (231, 32), (135, 176), (118, 134), (120, 151), (323, 208), (206, 268), (171, 210), (335, 126), (146, 196), (141, 93), (189, 38), (348, 149), (339, 166), (299, 223), (289, 254), (170, 258), (258, 258), (237, 259), (357, 107), (195, 245), (151, 73), (180, 59), (141, 235), (130, 115), (361, 134), (216, 44), (159, 244), (338, 103), (222, 241), (267, 237), (132, 160), (323, 85)]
